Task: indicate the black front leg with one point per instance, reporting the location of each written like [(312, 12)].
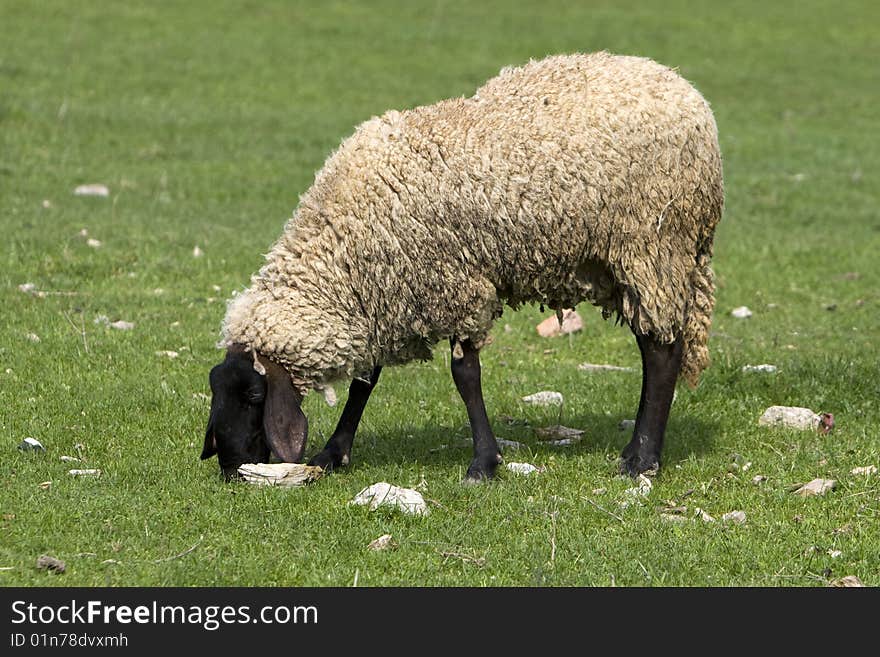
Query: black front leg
[(660, 366), (466, 374), (337, 451)]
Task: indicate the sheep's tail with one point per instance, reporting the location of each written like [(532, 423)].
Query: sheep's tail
[(698, 321)]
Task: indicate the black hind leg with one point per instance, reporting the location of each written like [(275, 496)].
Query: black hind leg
[(660, 366)]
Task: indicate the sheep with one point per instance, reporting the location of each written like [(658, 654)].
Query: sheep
[(584, 177)]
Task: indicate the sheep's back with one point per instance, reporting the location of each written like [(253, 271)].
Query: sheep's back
[(565, 163)]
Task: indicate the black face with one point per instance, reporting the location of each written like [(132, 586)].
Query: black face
[(235, 429), (253, 415)]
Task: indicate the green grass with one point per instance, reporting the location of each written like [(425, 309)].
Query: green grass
[(207, 120)]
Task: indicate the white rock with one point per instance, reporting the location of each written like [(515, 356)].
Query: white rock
[(742, 312), (385, 494), (92, 190), (33, 337), (671, 517), (550, 327), (27, 288), (168, 354), (702, 515), (84, 473), (557, 432), (642, 489), (523, 468), (736, 517), (544, 398), (834, 554), (279, 474), (31, 444), (764, 367), (639, 492), (95, 244), (758, 479), (384, 542), (794, 417), (197, 252), (593, 367), (867, 470), (122, 325), (564, 442), (70, 459), (816, 487), (850, 581)]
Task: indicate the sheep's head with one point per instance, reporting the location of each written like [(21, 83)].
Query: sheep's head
[(255, 412)]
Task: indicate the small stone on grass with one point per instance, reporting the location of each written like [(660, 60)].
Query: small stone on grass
[(384, 494), (91, 472), (45, 562), (594, 367), (557, 432), (551, 327), (850, 581), (764, 367), (31, 445), (523, 468), (544, 398), (817, 486), (793, 417), (92, 190), (735, 517), (384, 542)]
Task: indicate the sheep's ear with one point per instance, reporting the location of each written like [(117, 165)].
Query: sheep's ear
[(284, 422), (210, 448)]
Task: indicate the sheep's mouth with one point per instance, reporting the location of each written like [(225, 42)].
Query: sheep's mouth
[(256, 450), (230, 473)]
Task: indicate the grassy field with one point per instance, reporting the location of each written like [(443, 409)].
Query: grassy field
[(207, 120)]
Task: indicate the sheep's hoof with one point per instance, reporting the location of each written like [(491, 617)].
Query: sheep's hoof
[(635, 464), (481, 470), (329, 459)]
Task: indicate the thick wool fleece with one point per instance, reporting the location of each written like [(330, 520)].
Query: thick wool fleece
[(575, 178)]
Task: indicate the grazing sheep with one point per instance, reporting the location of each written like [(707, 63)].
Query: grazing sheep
[(575, 178)]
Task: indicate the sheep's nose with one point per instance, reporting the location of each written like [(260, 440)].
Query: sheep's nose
[(230, 473)]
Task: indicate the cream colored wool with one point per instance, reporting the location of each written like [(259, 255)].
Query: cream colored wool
[(575, 178)]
